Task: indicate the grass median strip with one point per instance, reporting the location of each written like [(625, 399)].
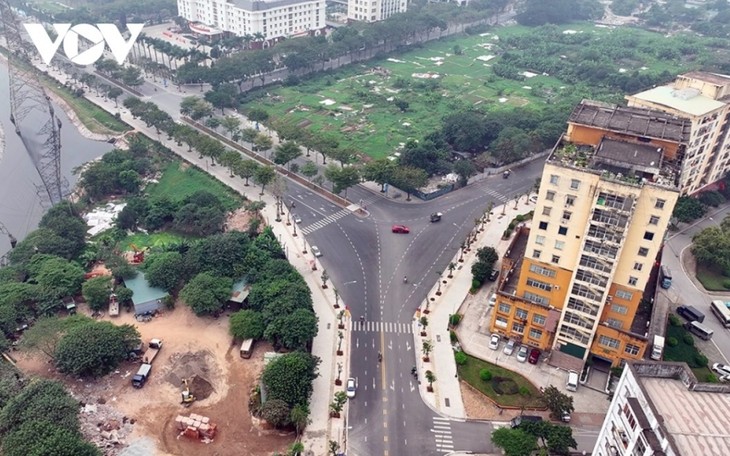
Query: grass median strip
[(503, 386)]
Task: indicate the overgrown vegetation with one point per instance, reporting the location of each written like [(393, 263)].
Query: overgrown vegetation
[(504, 386), (711, 249), (680, 347)]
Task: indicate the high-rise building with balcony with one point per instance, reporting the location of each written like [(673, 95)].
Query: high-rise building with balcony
[(374, 10), (660, 409), (704, 99), (574, 281)]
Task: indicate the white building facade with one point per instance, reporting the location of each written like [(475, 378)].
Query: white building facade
[(374, 10), (661, 409), (274, 19)]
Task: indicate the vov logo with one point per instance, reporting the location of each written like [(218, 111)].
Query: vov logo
[(97, 34)]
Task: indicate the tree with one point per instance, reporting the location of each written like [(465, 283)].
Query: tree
[(558, 402), (96, 292), (247, 324), (113, 93), (342, 178), (276, 412), (514, 442), (309, 169), (300, 418), (41, 436), (263, 176), (286, 152), (257, 115), (409, 179), (246, 169), (56, 275), (464, 169), (165, 270), (711, 247), (94, 348), (294, 331), (206, 294), (379, 171), (46, 333), (560, 440), (40, 400), (230, 159), (430, 378), (688, 209), (213, 123), (262, 143), (427, 348), (64, 220), (289, 377), (231, 124)]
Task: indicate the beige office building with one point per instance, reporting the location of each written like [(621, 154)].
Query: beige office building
[(374, 10)]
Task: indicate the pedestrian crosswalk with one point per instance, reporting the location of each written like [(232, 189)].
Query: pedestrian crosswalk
[(497, 195), (309, 229), (381, 326), (441, 431)]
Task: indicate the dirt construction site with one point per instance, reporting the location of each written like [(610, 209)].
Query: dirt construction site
[(138, 422)]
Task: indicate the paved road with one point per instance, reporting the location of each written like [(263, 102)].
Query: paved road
[(684, 290)]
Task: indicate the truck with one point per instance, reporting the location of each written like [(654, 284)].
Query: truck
[(152, 350), (140, 378), (657, 348), (113, 305)]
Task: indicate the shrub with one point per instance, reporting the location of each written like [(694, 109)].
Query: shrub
[(524, 391), (455, 319), (453, 337), (688, 339), (726, 284), (713, 198), (519, 219), (485, 375), (701, 360), (475, 284), (672, 342), (460, 358), (712, 378), (674, 320), (506, 233)]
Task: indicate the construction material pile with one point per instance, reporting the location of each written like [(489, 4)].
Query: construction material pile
[(196, 427)]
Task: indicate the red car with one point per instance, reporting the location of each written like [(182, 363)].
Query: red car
[(401, 229), (534, 356)]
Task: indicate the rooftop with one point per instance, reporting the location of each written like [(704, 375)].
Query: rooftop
[(513, 261), (712, 78), (636, 121), (689, 101), (143, 291)]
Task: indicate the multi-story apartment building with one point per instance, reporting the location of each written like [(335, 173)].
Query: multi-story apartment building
[(374, 10), (575, 282), (704, 98), (660, 409), (274, 19)]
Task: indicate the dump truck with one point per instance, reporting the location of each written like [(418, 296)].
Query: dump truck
[(113, 305), (658, 348), (140, 378), (153, 349)]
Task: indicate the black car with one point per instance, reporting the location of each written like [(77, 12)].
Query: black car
[(493, 275), (517, 421), (436, 216)]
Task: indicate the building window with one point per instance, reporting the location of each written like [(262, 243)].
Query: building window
[(612, 322), (535, 333), (638, 266), (654, 220), (518, 327), (563, 230), (538, 284), (537, 299), (538, 319), (543, 225), (633, 281), (546, 211), (550, 196), (500, 322), (554, 179), (660, 204), (623, 294), (648, 236), (608, 342), (623, 310), (559, 245), (521, 314), (569, 200), (566, 215), (536, 254), (555, 259), (629, 416), (540, 240), (537, 269), (574, 184), (632, 350), (643, 251), (504, 307)]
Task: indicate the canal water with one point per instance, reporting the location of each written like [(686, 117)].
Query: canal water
[(20, 205)]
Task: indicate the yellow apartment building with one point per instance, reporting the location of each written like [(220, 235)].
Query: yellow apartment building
[(572, 283)]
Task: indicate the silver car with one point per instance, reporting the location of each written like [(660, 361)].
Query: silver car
[(509, 348), (315, 251), (522, 354), (351, 387)]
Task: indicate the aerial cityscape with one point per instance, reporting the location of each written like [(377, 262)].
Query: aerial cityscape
[(365, 227)]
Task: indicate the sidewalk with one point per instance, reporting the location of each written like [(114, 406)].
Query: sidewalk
[(321, 429)]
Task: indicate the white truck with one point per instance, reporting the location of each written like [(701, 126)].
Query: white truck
[(657, 348)]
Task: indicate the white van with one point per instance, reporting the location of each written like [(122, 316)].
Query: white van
[(247, 348), (572, 383)]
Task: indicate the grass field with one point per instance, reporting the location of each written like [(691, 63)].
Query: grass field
[(357, 104), (712, 279), (179, 181), (469, 372), (685, 352), (161, 239), (93, 117)]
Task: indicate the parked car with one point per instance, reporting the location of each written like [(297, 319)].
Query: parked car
[(565, 418), (494, 341), (533, 199), (351, 387), (506, 174), (522, 354), (518, 420), (492, 300), (401, 229), (534, 356), (315, 251), (509, 348), (297, 218), (493, 275), (722, 370)]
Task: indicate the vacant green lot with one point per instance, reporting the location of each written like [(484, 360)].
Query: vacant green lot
[(358, 105), (712, 279), (685, 352), (179, 181), (469, 372), (152, 240)]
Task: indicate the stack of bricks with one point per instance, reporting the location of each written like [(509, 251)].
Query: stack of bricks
[(196, 426)]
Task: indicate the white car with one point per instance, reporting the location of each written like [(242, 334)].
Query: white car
[(492, 300), (494, 341), (533, 199), (509, 348), (351, 387), (315, 251), (297, 218), (722, 370), (522, 354)]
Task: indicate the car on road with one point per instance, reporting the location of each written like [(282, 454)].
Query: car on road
[(494, 341), (722, 370), (509, 348), (436, 216), (351, 387), (533, 199), (522, 354), (315, 251), (492, 300), (400, 229), (493, 275), (534, 356), (297, 218)]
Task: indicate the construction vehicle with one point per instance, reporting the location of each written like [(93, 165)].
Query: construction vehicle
[(138, 255), (140, 378), (153, 349), (187, 396), (113, 305)]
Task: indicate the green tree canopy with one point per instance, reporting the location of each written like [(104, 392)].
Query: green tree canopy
[(57, 275), (688, 209), (286, 152), (42, 437), (711, 246), (293, 331), (40, 400), (276, 412), (514, 442), (289, 377), (96, 292), (95, 348), (165, 270), (44, 336), (206, 294), (247, 324), (558, 402)]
